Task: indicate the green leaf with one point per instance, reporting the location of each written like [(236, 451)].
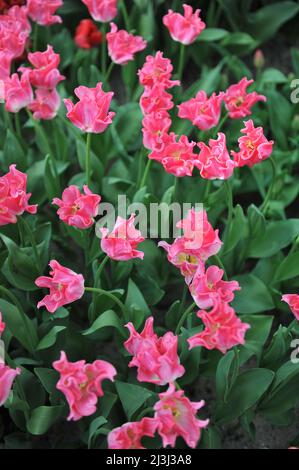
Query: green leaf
[(94, 429), (135, 300), (42, 418), (212, 34), (107, 319), (225, 375), (272, 75), (51, 338), (276, 236), (248, 388), (289, 268), (48, 378), (16, 322), (254, 296), (132, 397)]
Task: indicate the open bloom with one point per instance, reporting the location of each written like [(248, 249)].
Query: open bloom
[(2, 325), (293, 302), (18, 93), (45, 73), (7, 377), (122, 45), (207, 287), (45, 104), (214, 161), (223, 329), (81, 384), (78, 209), (157, 70), (254, 146), (155, 127), (184, 29), (14, 33), (177, 157), (156, 358), (121, 243), (202, 111), (238, 102), (13, 197), (102, 10), (43, 11), (65, 287), (91, 113), (87, 34), (155, 99), (129, 435), (176, 416)]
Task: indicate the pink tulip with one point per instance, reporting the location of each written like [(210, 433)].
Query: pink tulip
[(214, 161), (129, 435), (157, 70), (81, 384), (207, 287), (18, 93), (155, 128), (7, 377), (2, 325), (176, 416), (254, 146), (76, 209), (184, 29), (223, 329), (46, 104), (156, 358), (45, 73), (14, 32), (102, 10), (238, 102), (121, 243), (177, 157), (202, 111), (13, 196), (122, 46), (65, 287), (91, 113), (293, 302), (155, 100), (5, 65), (43, 11)]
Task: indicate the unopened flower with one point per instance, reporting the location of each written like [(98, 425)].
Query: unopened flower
[(76, 209), (293, 302), (129, 435), (207, 287), (81, 384), (102, 10), (87, 34), (176, 416), (122, 46), (121, 243), (259, 59), (43, 11), (223, 329), (14, 197), (254, 146), (65, 286), (202, 111), (214, 161), (156, 358), (184, 28), (45, 105), (238, 102), (91, 113)]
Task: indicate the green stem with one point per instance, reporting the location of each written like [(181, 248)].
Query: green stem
[(265, 204), (221, 265), (207, 191), (145, 412), (87, 159), (145, 174), (40, 132), (23, 316), (96, 282), (175, 188), (181, 62), (230, 208), (183, 318), (27, 227), (35, 36), (110, 296), (109, 71), (184, 296), (125, 15), (18, 127), (221, 124), (104, 50)]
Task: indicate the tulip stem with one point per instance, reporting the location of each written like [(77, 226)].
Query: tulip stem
[(32, 241), (104, 51), (145, 174), (181, 62), (87, 161), (125, 15), (109, 71), (207, 191), (183, 318), (35, 36), (221, 266), (269, 194), (18, 128), (230, 208), (221, 124), (110, 296)]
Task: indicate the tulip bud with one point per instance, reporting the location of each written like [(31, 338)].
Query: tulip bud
[(259, 59)]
